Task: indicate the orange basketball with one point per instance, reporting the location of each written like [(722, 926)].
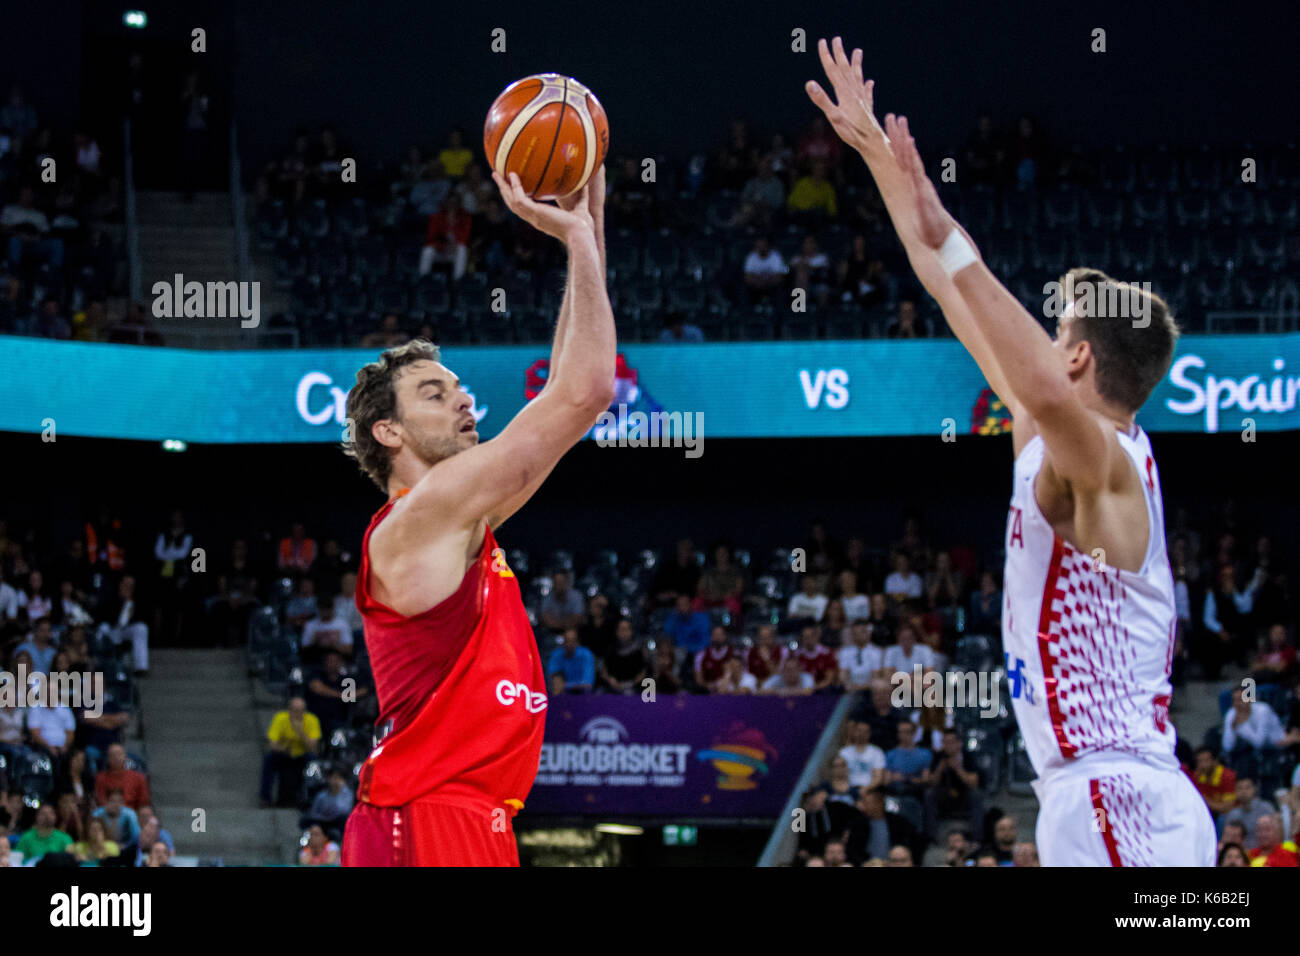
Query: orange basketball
[(548, 129)]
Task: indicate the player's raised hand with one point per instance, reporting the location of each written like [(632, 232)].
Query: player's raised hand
[(554, 220), (851, 113), (596, 194), (933, 223)]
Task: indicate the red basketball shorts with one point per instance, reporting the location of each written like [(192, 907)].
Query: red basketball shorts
[(432, 831)]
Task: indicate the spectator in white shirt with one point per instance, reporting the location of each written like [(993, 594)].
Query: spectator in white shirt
[(88, 154), (326, 632), (9, 603), (735, 679), (123, 623), (765, 270), (51, 728), (791, 680), (860, 659), (345, 602), (907, 653), (563, 607), (34, 598), (1251, 723), (903, 583), (866, 761), (856, 604), (809, 605), (29, 231)]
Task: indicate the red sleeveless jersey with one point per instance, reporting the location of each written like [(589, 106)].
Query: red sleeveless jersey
[(463, 686)]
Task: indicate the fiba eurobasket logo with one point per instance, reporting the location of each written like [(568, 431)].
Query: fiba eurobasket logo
[(607, 756), (740, 755)]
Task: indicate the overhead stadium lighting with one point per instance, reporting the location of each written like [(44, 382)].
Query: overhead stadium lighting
[(137, 19)]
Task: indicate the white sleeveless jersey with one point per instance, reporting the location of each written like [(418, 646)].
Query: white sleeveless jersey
[(1088, 647)]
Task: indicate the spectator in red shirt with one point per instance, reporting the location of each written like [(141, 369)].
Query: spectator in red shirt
[(1216, 783), (1271, 851), (819, 143), (448, 238), (1277, 663), (116, 776), (817, 659), (766, 655), (711, 663)]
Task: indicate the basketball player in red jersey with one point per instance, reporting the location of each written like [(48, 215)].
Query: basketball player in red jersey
[(1088, 618), (458, 676)]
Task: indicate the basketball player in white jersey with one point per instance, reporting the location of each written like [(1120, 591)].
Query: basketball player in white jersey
[(1088, 618)]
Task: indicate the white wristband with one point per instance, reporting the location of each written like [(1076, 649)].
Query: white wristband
[(956, 253)]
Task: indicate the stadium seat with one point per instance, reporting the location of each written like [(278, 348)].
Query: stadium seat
[(452, 328), (663, 256), (1237, 207), (1149, 209), (490, 328), (686, 296), (1020, 211), (1062, 210), (534, 325), (1118, 170), (1281, 209), (800, 326), (623, 259), (352, 218), (272, 224), (1192, 210), (1223, 246), (370, 257), (391, 295), (1202, 169), (975, 652), (985, 748), (313, 220), (909, 808), (756, 326), (1104, 211), (34, 775), (348, 299), (431, 296), (1158, 170)]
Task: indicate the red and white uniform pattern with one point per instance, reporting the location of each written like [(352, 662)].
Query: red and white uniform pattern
[(1088, 654)]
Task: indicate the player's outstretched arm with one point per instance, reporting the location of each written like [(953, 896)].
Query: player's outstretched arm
[(484, 480), (851, 115), (1079, 446), (591, 198)]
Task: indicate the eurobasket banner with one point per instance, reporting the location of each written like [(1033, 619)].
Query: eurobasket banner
[(680, 755), (728, 390)]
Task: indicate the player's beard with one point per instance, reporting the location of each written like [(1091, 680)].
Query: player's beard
[(432, 449)]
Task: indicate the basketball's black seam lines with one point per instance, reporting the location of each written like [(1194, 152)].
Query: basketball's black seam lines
[(559, 125)]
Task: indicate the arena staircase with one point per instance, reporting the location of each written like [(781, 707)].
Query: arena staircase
[(195, 238), (204, 733)]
